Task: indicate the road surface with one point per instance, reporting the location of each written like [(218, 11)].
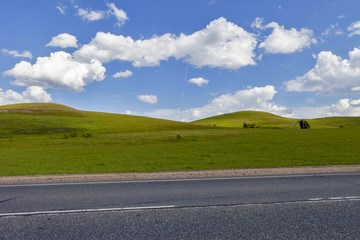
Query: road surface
[(324, 206)]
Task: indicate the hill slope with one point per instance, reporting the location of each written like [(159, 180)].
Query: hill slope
[(268, 120), (42, 118)]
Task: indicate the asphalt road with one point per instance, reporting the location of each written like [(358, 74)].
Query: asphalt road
[(269, 207)]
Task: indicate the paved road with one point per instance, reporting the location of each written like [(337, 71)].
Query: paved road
[(269, 207)]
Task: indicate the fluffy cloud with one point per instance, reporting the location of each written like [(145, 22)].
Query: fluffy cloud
[(125, 74), (90, 15), (354, 29), (200, 82), (31, 94), (257, 98), (16, 53), (59, 71), (148, 98), (119, 14), (283, 40), (331, 75), (345, 107), (63, 40), (220, 44)]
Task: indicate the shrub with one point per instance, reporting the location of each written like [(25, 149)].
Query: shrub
[(73, 134), (249, 125), (87, 135), (65, 136), (304, 124)]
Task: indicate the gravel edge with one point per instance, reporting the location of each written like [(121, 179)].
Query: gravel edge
[(178, 174)]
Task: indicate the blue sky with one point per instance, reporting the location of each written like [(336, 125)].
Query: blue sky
[(183, 60)]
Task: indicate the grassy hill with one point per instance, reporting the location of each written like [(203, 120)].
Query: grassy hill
[(43, 118), (268, 120), (56, 139)]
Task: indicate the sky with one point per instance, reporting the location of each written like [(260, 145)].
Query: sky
[(183, 60)]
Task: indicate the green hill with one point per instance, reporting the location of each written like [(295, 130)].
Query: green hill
[(268, 120), (43, 118)]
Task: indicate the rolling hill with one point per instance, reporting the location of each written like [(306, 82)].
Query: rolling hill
[(268, 120), (42, 118)]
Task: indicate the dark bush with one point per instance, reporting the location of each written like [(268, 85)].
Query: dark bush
[(87, 135), (245, 125), (73, 134), (304, 124)]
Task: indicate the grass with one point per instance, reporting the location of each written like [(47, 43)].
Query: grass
[(268, 120), (122, 143)]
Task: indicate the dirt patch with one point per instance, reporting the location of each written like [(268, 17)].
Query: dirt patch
[(178, 174)]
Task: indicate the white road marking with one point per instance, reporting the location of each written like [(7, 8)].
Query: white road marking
[(85, 210), (177, 180), (93, 210)]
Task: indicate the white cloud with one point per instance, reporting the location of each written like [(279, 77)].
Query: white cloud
[(63, 40), (354, 29), (119, 14), (37, 94), (257, 99), (211, 2), (31, 94), (95, 15), (345, 107), (220, 44), (148, 98), (283, 40), (200, 82), (59, 71), (90, 15), (125, 74), (333, 29), (331, 75), (16, 53), (61, 9)]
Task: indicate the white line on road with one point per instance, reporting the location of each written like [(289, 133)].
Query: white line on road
[(97, 210), (85, 210)]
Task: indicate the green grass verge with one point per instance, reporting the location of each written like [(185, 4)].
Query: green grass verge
[(44, 140), (178, 150)]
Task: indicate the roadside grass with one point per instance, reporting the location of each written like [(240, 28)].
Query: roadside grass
[(165, 151), (56, 139)]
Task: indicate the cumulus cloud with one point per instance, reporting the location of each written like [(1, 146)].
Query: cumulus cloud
[(31, 94), (283, 40), (90, 15), (125, 74), (257, 99), (16, 53), (220, 44), (345, 107), (354, 29), (148, 98), (200, 82), (63, 40), (59, 71), (331, 75), (119, 14)]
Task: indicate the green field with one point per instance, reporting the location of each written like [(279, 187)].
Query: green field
[(55, 139)]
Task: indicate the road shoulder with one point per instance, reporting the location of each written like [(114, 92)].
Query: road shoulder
[(177, 174)]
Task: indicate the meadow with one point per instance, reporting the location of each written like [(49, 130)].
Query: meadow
[(54, 139)]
